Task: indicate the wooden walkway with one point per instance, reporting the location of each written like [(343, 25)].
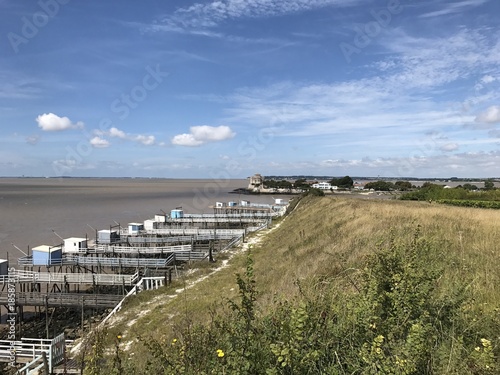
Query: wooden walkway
[(139, 250), (63, 299), (77, 260), (20, 276), (216, 220), (220, 234), (165, 238)]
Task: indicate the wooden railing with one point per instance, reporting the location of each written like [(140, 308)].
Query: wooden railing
[(20, 276), (77, 260), (62, 299)]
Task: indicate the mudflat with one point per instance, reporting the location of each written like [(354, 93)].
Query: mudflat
[(32, 209)]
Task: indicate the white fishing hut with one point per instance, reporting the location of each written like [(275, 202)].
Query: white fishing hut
[(74, 245)]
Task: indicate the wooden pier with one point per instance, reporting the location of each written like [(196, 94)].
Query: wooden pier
[(63, 299), (78, 260), (144, 257), (208, 233), (136, 250), (20, 276)]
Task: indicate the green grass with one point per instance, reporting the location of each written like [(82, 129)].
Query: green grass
[(329, 242)]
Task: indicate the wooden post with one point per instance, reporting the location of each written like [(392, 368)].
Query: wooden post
[(210, 252), (82, 315), (47, 316), (45, 364), (21, 317)]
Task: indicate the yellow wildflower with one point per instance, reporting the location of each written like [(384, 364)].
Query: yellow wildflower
[(220, 353)]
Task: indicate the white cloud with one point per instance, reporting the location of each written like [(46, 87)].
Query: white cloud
[(115, 132), (99, 142), (51, 122), (488, 79), (490, 116), (200, 135), (146, 140), (448, 147), (186, 140)]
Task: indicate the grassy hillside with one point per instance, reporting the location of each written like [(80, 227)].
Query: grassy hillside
[(342, 286)]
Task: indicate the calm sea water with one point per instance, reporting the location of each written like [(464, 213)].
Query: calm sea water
[(35, 211)]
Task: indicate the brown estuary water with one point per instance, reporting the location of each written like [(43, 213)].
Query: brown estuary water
[(32, 209)]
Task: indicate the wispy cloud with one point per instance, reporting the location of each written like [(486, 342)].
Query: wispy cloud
[(397, 104), (68, 165), (201, 16), (146, 140), (17, 86), (455, 7), (431, 62), (473, 164), (32, 139)]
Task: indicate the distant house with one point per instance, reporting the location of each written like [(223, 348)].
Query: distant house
[(324, 186)]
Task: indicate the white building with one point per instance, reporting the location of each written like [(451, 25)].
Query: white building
[(324, 186)]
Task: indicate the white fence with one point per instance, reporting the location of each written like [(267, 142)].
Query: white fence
[(32, 351)]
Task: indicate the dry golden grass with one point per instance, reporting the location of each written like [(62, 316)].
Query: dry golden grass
[(325, 237)]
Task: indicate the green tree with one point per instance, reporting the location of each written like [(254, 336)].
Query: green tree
[(489, 185), (469, 187), (403, 185), (380, 185), (300, 184), (345, 182), (270, 184)]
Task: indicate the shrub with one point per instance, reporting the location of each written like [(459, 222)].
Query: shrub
[(398, 318)]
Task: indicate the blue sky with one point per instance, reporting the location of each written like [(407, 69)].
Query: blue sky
[(224, 89)]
